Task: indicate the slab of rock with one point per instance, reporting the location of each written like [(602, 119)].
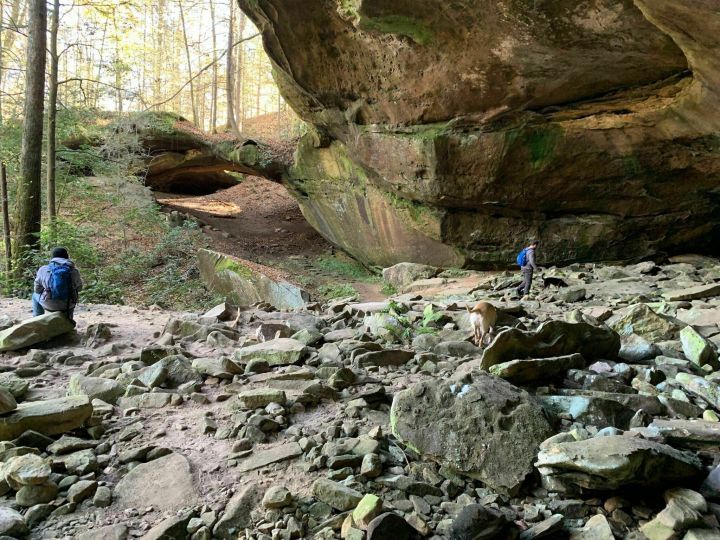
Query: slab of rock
[(151, 400), (107, 390), (552, 338), (697, 349), (221, 367), (165, 483), (486, 429), (170, 528), (7, 401), (11, 522), (640, 319), (26, 470), (276, 352), (17, 386), (536, 370), (237, 513), (245, 284), (693, 293), (609, 463), (478, 522), (50, 417), (336, 495), (701, 387), (34, 330), (261, 397), (119, 531), (596, 528), (389, 525), (403, 274), (384, 358), (693, 434), (271, 455)]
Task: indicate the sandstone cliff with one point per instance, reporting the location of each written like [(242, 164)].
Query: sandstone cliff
[(451, 132)]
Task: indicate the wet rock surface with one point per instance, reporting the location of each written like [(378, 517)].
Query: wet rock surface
[(597, 420)]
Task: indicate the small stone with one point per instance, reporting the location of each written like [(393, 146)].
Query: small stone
[(103, 497), (277, 497), (369, 507), (81, 490)]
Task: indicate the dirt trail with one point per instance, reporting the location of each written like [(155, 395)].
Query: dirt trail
[(259, 221)]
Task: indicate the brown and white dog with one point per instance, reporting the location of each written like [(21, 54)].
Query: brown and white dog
[(483, 318)]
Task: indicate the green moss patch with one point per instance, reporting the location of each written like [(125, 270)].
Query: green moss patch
[(414, 29)]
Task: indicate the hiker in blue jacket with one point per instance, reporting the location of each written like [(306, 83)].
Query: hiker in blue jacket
[(57, 285), (526, 261)]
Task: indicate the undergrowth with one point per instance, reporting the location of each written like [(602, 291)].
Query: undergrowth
[(117, 236)]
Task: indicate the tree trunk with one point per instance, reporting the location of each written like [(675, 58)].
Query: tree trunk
[(214, 90), (52, 117), (240, 78), (230, 84), (193, 105), (6, 219), (28, 218)]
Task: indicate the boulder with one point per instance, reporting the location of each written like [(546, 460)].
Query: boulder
[(35, 330), (389, 525), (596, 528), (537, 370), (107, 390), (697, 349), (552, 338), (261, 397), (614, 462), (118, 531), (237, 512), (486, 428), (221, 367), (7, 401), (276, 352), (11, 522), (50, 417), (478, 522), (336, 495), (640, 319), (700, 387), (403, 274), (245, 284), (15, 385), (165, 483), (697, 292)]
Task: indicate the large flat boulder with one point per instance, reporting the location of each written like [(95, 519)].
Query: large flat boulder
[(535, 370), (486, 429), (107, 390), (614, 462), (552, 338), (34, 330), (50, 417), (165, 483), (245, 283), (276, 352)]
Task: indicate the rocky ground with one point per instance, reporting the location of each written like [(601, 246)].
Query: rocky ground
[(593, 414)]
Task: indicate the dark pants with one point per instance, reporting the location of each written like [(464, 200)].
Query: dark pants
[(38, 309), (524, 288)]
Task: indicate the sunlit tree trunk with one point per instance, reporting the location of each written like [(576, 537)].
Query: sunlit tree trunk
[(240, 78), (28, 218), (193, 105), (52, 115), (214, 90), (230, 83)]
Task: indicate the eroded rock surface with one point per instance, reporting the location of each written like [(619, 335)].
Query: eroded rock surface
[(459, 129)]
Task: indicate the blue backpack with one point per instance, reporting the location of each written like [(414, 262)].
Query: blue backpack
[(60, 282), (522, 257)]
